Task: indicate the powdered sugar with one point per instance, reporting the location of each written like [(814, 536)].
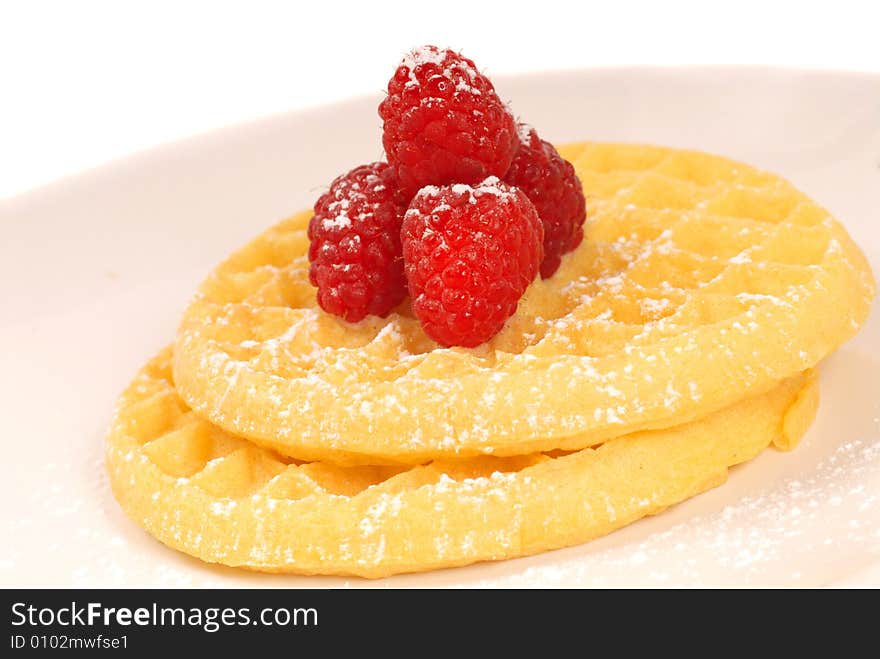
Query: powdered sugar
[(489, 186), (341, 221), (455, 69), (347, 196), (524, 132), (423, 55)]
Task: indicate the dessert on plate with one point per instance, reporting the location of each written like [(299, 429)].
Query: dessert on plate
[(485, 347)]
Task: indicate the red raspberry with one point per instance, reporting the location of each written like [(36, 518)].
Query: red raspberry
[(470, 253), (551, 184), (444, 123), (355, 253)]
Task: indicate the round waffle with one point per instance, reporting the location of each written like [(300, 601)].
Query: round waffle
[(223, 499), (700, 281)]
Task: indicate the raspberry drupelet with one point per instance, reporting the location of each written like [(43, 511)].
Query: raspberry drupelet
[(470, 254), (355, 251), (443, 122), (550, 182)]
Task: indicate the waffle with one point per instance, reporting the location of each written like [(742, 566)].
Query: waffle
[(700, 281), (223, 499)]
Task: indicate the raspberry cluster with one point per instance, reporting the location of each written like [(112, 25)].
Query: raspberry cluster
[(468, 209)]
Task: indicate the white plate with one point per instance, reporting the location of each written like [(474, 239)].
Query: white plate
[(96, 269)]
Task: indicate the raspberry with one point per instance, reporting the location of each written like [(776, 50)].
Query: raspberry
[(470, 254), (444, 123), (550, 182), (355, 253)]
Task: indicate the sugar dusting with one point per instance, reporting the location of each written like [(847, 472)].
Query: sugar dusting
[(491, 186), (351, 202), (456, 70), (524, 132)]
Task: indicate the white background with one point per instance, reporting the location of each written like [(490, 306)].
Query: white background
[(82, 83)]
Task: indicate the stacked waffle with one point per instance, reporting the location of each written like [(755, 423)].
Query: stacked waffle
[(678, 339)]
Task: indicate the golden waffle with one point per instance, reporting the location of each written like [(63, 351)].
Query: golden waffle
[(700, 281), (222, 499)]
